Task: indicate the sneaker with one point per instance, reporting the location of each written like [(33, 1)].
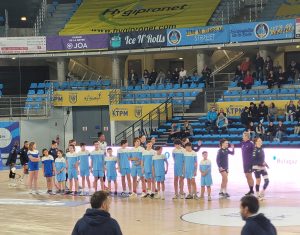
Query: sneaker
[(132, 195), (189, 196), (157, 196), (37, 192), (182, 195), (82, 193), (62, 192), (176, 197), (50, 192), (250, 193), (116, 193), (201, 196), (196, 197), (226, 195), (221, 194), (76, 193), (162, 197), (209, 198), (152, 195), (144, 195), (31, 192), (58, 191), (123, 194), (67, 192)]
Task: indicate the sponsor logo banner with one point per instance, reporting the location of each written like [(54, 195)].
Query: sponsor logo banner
[(198, 35), (77, 43), (19, 45), (297, 28), (259, 31), (236, 108), (137, 40), (82, 98), (130, 112)]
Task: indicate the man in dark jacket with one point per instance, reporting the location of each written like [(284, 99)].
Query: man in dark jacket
[(263, 111), (256, 224), (97, 220)]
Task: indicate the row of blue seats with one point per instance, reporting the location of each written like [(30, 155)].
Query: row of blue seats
[(37, 99), (226, 99), (216, 142), (38, 92), (262, 92), (71, 84), (168, 86), (256, 83), (141, 101), (162, 95), (33, 106)]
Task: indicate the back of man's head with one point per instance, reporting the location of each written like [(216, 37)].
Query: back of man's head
[(98, 199), (251, 203)]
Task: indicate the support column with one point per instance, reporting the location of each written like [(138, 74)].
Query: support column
[(62, 69), (118, 68), (201, 61)]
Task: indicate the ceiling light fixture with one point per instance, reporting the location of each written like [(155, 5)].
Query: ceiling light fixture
[(23, 18)]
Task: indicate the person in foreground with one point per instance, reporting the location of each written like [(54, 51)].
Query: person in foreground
[(97, 220), (256, 223)]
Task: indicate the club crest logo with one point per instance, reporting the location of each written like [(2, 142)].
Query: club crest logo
[(174, 37), (138, 111), (261, 30), (73, 98)]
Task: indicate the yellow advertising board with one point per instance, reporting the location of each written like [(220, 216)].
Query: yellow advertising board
[(131, 112), (82, 98), (235, 108), (123, 16)]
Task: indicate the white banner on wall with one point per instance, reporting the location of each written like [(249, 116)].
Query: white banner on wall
[(297, 34), (19, 45)]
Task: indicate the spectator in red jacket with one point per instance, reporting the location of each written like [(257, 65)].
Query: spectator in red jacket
[(248, 81), (245, 66)]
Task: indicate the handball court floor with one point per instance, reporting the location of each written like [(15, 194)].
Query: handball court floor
[(22, 213)]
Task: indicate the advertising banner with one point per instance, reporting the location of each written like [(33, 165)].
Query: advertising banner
[(77, 43), (297, 28), (123, 16), (259, 31), (138, 40), (198, 35), (82, 98), (130, 112), (19, 45), (236, 108)]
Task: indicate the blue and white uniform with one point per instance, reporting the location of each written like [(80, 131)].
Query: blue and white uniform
[(178, 156), (148, 162), (84, 163), (72, 160), (205, 165), (159, 167), (48, 161), (136, 167), (60, 165), (123, 157), (190, 161), (97, 157), (111, 171), (33, 166)]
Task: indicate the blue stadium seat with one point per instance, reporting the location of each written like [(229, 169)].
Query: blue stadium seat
[(179, 94), (146, 87), (106, 82), (152, 87), (31, 92), (267, 92), (29, 99), (38, 99), (201, 85), (188, 102), (168, 86), (41, 85), (40, 92), (85, 83), (227, 93), (193, 85), (163, 95), (283, 91), (33, 85), (161, 87), (138, 88), (185, 86), (187, 94), (92, 83), (176, 86), (1, 86)]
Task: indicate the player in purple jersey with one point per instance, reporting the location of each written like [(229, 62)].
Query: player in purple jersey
[(247, 151)]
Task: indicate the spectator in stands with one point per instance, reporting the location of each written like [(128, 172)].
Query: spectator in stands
[(238, 74), (206, 75), (221, 124), (153, 76), (161, 77), (247, 81), (270, 79), (276, 68), (251, 130), (272, 112), (297, 128), (253, 112), (280, 131), (259, 67), (293, 70), (175, 75), (146, 76), (270, 132), (174, 132), (290, 111), (297, 115), (262, 111), (169, 77), (221, 111), (196, 78), (211, 118), (268, 65), (153, 141), (245, 66), (281, 78), (260, 131), (143, 140), (182, 76), (132, 78), (245, 116), (186, 130)]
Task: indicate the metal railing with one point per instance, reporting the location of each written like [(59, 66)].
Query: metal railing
[(40, 19), (148, 123), (19, 107)]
